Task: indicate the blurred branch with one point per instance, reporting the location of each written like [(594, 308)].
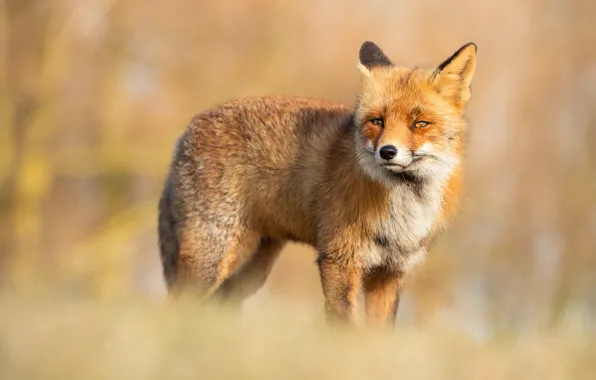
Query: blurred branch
[(29, 176), (6, 141)]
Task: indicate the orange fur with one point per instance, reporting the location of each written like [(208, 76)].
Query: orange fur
[(253, 173), (382, 297)]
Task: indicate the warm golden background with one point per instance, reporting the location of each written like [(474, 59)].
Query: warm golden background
[(93, 94)]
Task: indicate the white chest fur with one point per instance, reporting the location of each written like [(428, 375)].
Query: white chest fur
[(397, 238)]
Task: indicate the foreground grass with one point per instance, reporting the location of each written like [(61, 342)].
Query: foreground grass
[(43, 339)]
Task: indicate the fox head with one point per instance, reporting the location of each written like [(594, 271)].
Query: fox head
[(410, 122)]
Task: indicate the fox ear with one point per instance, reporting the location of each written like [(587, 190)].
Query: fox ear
[(454, 76), (371, 56)]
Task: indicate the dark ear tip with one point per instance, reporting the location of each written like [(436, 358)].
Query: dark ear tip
[(366, 44), (470, 44), (371, 55), (367, 47)]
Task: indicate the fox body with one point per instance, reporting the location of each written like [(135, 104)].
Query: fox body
[(368, 186)]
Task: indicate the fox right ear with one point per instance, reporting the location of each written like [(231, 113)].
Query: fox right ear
[(454, 76), (371, 56)]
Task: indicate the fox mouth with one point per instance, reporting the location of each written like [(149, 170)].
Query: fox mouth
[(396, 168)]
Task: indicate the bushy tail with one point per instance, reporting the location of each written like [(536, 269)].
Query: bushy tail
[(168, 242)]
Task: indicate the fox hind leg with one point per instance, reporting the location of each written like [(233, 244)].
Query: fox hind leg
[(249, 278), (208, 257)]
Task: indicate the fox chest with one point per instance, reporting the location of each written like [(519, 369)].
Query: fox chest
[(396, 240)]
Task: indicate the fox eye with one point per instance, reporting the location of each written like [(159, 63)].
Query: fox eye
[(377, 121), (421, 124)]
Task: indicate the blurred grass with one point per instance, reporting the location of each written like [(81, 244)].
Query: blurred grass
[(139, 339)]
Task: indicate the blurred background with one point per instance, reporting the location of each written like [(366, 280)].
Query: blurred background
[(93, 94)]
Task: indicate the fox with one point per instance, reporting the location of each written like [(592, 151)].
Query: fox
[(369, 186)]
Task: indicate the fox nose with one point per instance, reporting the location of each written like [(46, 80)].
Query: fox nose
[(387, 152)]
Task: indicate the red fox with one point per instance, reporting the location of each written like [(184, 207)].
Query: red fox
[(367, 186)]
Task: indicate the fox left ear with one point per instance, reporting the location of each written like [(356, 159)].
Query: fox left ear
[(371, 56), (454, 76)]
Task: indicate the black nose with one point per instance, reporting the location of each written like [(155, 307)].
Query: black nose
[(387, 152)]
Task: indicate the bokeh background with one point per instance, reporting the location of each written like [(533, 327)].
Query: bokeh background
[(94, 93)]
